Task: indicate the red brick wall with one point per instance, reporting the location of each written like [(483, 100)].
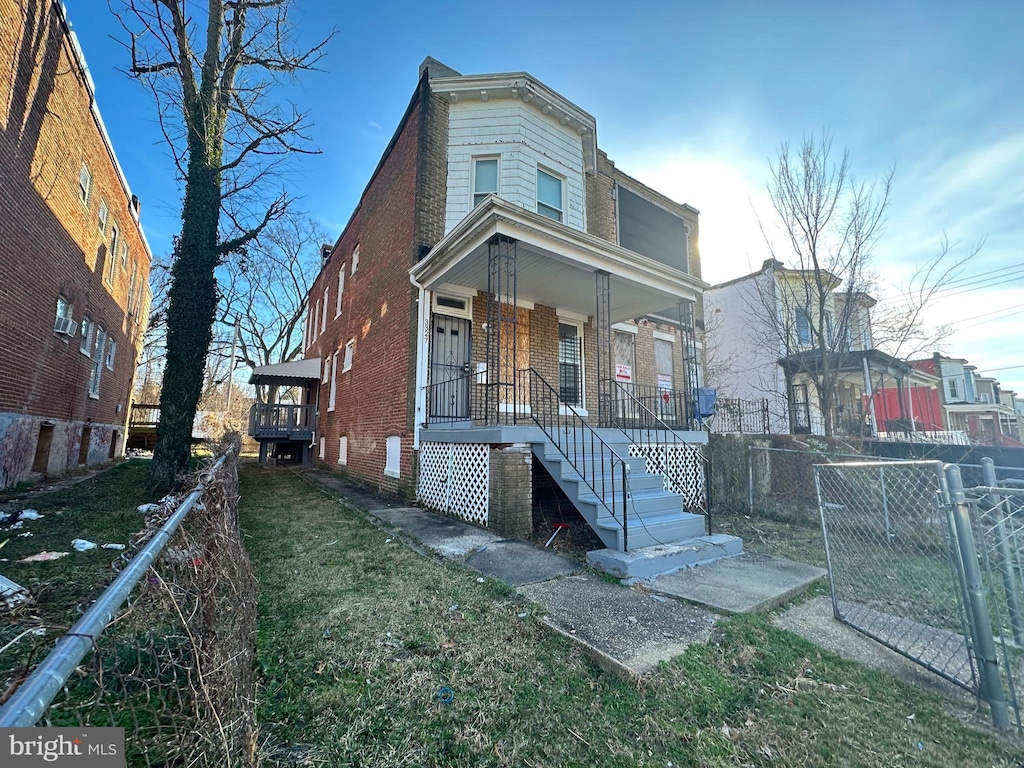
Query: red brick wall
[(376, 398), (50, 242)]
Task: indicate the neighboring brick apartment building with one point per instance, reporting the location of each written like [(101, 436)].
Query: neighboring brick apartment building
[(74, 263), (495, 250)]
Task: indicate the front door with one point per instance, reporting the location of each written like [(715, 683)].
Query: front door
[(449, 368)]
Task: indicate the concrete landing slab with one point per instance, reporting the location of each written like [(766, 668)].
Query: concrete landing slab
[(519, 562), (748, 583), (647, 562), (627, 631), (447, 537)]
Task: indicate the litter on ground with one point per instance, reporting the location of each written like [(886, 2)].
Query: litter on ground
[(43, 557), (114, 546), (11, 594), (82, 545), (30, 514), (147, 508)]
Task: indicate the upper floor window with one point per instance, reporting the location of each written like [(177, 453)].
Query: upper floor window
[(953, 392), (341, 289), (84, 184), (549, 195), (63, 324), (485, 178), (85, 346), (985, 398), (111, 352), (355, 259), (98, 352), (131, 287), (124, 256), (115, 244), (101, 221), (803, 326), (346, 363)]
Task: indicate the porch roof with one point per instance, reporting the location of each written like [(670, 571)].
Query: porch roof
[(852, 362), (293, 374), (555, 264)]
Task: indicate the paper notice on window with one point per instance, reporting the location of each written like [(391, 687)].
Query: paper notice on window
[(623, 372)]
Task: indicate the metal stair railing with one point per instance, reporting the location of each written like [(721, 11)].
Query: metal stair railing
[(642, 427), (602, 469)]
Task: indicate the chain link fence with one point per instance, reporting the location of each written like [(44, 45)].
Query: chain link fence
[(167, 651), (930, 569)]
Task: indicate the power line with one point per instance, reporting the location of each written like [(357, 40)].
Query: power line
[(1004, 368)]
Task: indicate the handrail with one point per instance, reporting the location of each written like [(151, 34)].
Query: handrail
[(651, 424), (573, 436)]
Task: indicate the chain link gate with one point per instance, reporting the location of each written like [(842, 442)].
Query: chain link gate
[(892, 563), (930, 570)]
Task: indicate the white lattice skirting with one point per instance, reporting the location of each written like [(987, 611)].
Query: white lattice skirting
[(683, 461), (455, 479)]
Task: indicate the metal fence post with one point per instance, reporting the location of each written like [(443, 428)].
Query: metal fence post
[(981, 624), (988, 473), (750, 479)]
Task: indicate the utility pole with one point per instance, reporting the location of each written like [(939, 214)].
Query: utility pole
[(231, 365)]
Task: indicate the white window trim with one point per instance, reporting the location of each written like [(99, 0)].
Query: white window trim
[(472, 178), (333, 397), (325, 372), (570, 315), (88, 330), (564, 409), (663, 336), (341, 291), (350, 349), (323, 447), (437, 309), (85, 194), (103, 217), (115, 242), (98, 361), (111, 353), (562, 182), (343, 450), (625, 328), (316, 323)]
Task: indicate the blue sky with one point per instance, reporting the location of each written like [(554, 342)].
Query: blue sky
[(692, 99)]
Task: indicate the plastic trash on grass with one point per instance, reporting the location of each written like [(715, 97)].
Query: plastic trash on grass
[(82, 545)]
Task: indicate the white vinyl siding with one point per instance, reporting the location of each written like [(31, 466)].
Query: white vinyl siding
[(523, 139)]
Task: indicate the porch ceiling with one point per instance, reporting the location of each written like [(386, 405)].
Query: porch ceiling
[(556, 265)]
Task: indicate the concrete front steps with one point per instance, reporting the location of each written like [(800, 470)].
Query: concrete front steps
[(662, 536)]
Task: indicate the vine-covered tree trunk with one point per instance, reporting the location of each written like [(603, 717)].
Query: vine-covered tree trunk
[(190, 314)]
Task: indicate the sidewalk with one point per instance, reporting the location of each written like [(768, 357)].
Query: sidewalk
[(627, 630)]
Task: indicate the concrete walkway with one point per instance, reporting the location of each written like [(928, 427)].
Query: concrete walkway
[(627, 630)]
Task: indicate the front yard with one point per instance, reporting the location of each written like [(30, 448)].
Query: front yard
[(359, 634)]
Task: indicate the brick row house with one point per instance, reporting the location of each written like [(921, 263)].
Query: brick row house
[(74, 262), (506, 305)]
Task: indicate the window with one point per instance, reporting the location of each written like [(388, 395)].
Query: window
[(343, 450), (323, 447), (341, 290), (952, 389), (392, 461), (803, 327), (111, 353), (325, 371), (985, 398), (85, 347), (485, 179), (549, 195), (115, 242), (97, 362), (316, 325), (63, 308), (104, 214), (323, 316), (801, 415), (355, 259), (334, 382), (452, 305), (131, 287), (84, 184), (124, 256), (570, 364), (349, 349)]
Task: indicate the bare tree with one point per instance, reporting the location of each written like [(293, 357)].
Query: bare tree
[(817, 304), (211, 71), (154, 342), (267, 289)]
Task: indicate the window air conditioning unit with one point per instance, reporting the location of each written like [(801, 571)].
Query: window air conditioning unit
[(65, 326)]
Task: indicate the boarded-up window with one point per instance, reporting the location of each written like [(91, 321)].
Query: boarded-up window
[(652, 231)]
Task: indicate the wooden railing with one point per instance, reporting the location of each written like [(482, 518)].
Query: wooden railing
[(284, 422), (144, 415)]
